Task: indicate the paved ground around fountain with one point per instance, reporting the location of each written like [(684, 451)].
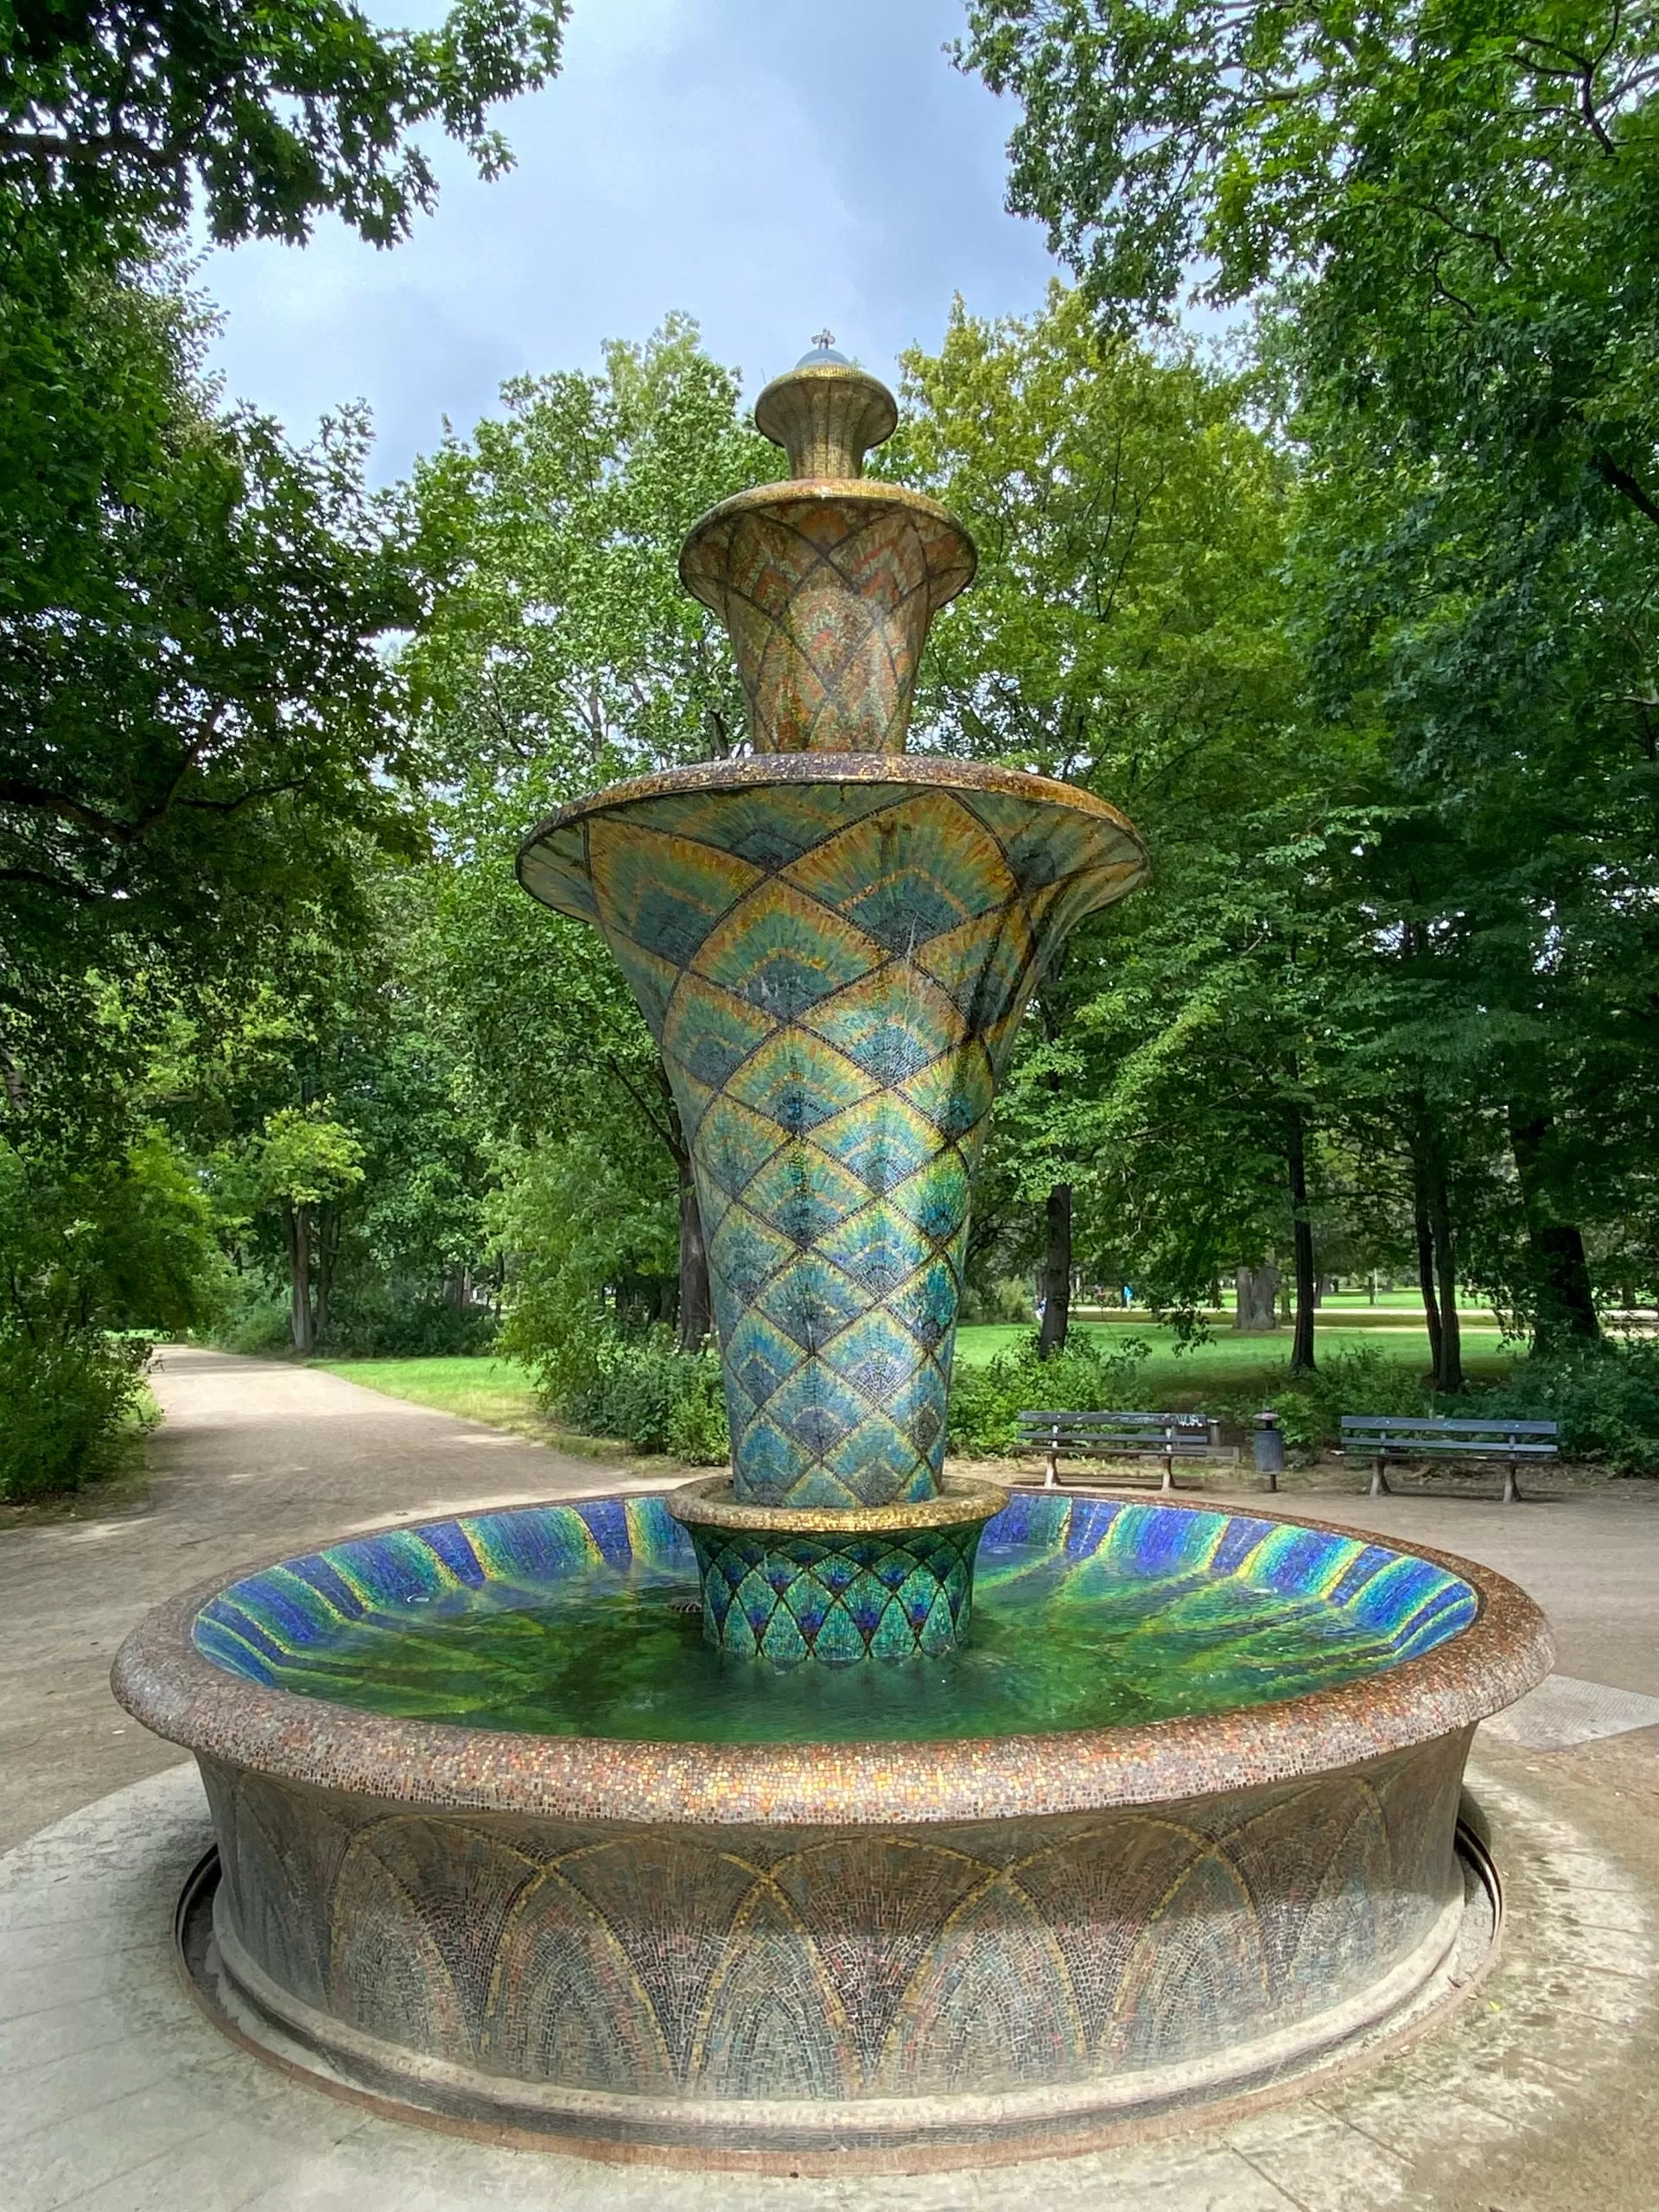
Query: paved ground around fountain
[(116, 2096), (255, 1457)]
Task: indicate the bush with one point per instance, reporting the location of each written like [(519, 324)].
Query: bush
[(642, 1389), (1088, 1376), (1605, 1398), (383, 1320), (1006, 1300), (1363, 1381), (66, 1402), (252, 1318)]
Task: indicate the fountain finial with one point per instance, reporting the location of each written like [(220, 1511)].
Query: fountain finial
[(826, 413), (827, 585)]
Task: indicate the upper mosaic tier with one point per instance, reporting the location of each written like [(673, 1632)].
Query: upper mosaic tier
[(826, 583)]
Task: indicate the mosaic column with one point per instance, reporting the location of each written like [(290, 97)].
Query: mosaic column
[(834, 945)]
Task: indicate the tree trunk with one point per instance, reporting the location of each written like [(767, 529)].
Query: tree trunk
[(1056, 1323), (1256, 1299), (1422, 1221), (328, 1253), (1448, 1366), (1301, 1348), (301, 1326), (697, 1311), (1564, 1302)]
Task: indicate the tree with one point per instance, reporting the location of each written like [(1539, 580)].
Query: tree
[(1127, 632), (303, 1161), (196, 716), (563, 654), (1453, 215), (124, 114), (193, 706)]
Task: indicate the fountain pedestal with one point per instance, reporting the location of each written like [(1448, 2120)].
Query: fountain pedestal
[(835, 947)]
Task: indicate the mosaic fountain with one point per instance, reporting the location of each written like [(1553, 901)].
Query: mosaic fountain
[(834, 1810)]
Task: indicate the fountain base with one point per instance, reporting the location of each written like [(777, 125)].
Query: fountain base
[(793, 1585), (827, 1944), (954, 2125)]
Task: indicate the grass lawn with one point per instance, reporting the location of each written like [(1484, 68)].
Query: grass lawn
[(500, 1391), (1176, 1380), (497, 1391)]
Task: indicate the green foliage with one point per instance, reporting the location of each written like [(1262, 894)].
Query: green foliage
[(581, 1237), (698, 1429), (375, 1317), (303, 1157), (1086, 1377), (66, 1398), (90, 1246), (123, 114), (643, 1391), (1362, 1381), (1605, 1398), (198, 730)]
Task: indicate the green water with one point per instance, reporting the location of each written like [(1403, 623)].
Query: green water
[(621, 1658)]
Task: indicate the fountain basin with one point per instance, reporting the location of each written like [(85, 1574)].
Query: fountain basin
[(839, 1944)]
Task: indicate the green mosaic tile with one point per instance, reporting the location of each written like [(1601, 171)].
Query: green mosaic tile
[(797, 1081), (836, 1601)]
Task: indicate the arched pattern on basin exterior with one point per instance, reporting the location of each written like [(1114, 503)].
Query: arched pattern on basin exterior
[(892, 1962)]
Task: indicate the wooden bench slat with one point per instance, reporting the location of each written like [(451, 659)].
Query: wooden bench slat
[(1432, 1424)]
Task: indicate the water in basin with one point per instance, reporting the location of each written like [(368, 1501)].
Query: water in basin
[(579, 1620)]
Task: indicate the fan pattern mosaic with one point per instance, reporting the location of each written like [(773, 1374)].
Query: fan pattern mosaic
[(840, 1598), (835, 971)]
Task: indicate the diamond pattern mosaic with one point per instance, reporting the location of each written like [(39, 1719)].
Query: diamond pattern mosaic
[(837, 1599), (836, 971), (828, 598), (835, 965)]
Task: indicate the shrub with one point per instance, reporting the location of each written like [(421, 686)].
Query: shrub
[(697, 1429), (1088, 1376), (387, 1320), (1605, 1398), (66, 1401), (1363, 1381), (642, 1389)]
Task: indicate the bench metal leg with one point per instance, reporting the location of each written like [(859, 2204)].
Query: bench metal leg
[(1168, 1482), (1511, 1488), (1380, 1479), (1052, 1478)]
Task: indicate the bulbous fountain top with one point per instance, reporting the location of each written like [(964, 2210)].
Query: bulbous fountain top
[(827, 414), (827, 583)]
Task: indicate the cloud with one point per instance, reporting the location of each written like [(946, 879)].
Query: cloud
[(767, 166)]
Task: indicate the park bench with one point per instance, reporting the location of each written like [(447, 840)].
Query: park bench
[(1382, 1437), (1169, 1437)]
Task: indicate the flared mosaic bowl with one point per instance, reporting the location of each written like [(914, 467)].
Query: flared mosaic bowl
[(834, 953)]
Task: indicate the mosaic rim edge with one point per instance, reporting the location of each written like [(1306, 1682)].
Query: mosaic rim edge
[(163, 1680)]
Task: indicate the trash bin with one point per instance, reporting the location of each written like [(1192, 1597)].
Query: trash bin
[(1268, 1448)]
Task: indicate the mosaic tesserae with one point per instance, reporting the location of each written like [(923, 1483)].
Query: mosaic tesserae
[(834, 1812)]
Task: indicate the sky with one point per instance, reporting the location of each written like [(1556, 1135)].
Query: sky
[(772, 168)]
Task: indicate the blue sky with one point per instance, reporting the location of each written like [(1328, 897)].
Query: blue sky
[(767, 166)]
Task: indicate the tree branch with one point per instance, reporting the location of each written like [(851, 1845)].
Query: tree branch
[(1621, 480)]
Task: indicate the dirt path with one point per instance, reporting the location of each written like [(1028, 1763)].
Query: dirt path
[(254, 1457)]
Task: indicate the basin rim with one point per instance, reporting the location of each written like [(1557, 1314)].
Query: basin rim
[(163, 1680), (710, 1503)]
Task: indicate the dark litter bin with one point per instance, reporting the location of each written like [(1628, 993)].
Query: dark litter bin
[(1268, 1448)]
